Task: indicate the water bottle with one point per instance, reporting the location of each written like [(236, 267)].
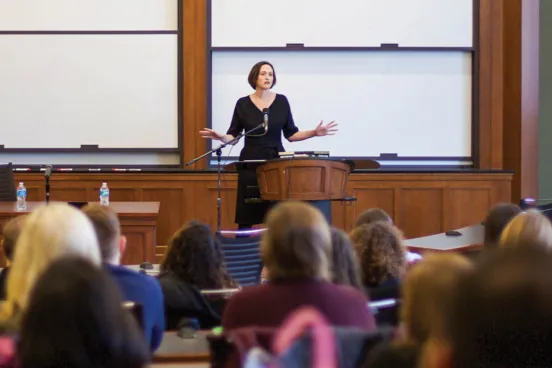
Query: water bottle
[(21, 197), (104, 195)]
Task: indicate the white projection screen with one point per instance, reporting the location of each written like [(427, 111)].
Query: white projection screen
[(79, 72)]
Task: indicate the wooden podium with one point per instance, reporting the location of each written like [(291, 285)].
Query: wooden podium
[(316, 180)]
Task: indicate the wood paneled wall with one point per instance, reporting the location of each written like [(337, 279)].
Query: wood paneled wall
[(420, 204), (506, 102)]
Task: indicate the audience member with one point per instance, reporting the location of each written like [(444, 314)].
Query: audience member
[(75, 319), (372, 215), (10, 234), (50, 232), (498, 217), (193, 262), (139, 288), (345, 266), (428, 291), (501, 314), (529, 228), (381, 253), (296, 249)]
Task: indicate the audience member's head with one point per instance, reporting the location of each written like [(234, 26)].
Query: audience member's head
[(10, 234), (345, 266), (428, 290), (498, 217), (528, 229), (108, 230), (381, 252), (50, 232), (501, 315), (75, 318), (194, 255), (297, 243), (373, 215)]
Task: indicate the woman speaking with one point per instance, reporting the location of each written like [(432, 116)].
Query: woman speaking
[(266, 143)]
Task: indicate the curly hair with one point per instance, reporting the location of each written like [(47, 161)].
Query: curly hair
[(194, 255), (345, 265), (381, 252)]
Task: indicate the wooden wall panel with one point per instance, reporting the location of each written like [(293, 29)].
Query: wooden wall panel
[(479, 199), (421, 211), (420, 204)]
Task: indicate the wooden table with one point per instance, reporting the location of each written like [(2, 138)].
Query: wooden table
[(471, 239), (138, 224), (175, 349)]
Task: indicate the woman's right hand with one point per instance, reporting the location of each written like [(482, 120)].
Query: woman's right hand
[(210, 133)]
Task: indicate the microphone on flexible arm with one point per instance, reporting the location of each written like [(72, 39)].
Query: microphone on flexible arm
[(48, 171), (265, 119)]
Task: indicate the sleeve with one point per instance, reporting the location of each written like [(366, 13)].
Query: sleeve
[(236, 126), (289, 128), (159, 325)]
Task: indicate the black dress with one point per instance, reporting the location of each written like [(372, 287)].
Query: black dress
[(260, 146)]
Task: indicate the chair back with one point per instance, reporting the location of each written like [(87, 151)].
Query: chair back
[(242, 256), (7, 185), (385, 311)]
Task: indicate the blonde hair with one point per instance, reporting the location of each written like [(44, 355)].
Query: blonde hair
[(297, 242), (428, 289), (49, 233), (529, 228)]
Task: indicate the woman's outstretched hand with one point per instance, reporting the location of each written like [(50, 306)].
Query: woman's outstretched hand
[(210, 133), (328, 129)]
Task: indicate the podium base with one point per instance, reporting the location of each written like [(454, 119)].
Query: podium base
[(325, 207)]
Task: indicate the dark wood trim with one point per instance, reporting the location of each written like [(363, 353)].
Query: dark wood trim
[(490, 84), (521, 99), (194, 98), (342, 48), (180, 76)]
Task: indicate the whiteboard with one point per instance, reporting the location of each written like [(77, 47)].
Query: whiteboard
[(423, 23), (62, 91), (415, 104), (90, 159), (88, 15)]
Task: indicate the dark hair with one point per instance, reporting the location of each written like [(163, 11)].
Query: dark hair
[(345, 266), (107, 227), (75, 318), (372, 215), (10, 234), (380, 251), (502, 312), (254, 74), (194, 255), (498, 217)]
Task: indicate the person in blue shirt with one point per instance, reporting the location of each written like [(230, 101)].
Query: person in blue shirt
[(135, 287)]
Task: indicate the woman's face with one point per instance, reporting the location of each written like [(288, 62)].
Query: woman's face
[(266, 77)]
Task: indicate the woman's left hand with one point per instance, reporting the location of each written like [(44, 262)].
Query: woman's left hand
[(328, 129)]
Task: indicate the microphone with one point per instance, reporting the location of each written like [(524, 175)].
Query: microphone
[(48, 171), (265, 119)]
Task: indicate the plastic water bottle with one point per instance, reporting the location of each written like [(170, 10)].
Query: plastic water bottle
[(21, 197), (104, 195)]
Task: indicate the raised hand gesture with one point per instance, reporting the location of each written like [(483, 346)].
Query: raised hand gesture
[(328, 129), (211, 134)]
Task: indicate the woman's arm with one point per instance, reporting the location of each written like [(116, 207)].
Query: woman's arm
[(302, 135), (212, 134), (320, 131)]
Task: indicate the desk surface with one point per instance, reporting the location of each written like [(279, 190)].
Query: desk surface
[(121, 208), (472, 237), (176, 349)]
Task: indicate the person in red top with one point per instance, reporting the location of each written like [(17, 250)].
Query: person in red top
[(296, 251)]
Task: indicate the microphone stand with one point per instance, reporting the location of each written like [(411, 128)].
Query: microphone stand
[(218, 151), (47, 175)]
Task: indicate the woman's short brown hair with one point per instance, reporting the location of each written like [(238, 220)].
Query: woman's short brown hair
[(297, 242), (256, 70), (381, 252)]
